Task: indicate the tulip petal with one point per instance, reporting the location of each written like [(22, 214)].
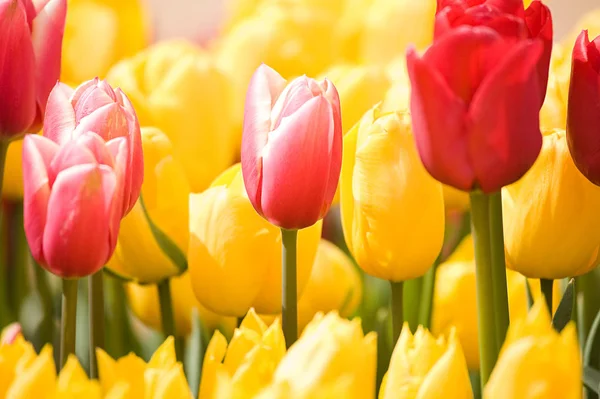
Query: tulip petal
[(80, 208), (504, 131), (293, 190), (38, 153), (17, 71), (59, 122), (69, 155), (108, 121), (539, 22), (265, 87), (92, 99), (439, 122)]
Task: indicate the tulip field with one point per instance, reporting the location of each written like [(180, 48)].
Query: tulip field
[(306, 199)]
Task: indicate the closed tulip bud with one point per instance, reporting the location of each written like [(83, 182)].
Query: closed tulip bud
[(95, 107), (244, 367), (536, 361), (331, 359), (424, 367), (73, 201), (392, 210), (334, 284), (143, 301), (494, 148), (94, 35), (234, 255), (291, 148), (32, 36), (165, 193), (562, 241), (177, 88), (583, 118)]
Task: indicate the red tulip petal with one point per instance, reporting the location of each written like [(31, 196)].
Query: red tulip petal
[(539, 22), (59, 122), (504, 131)]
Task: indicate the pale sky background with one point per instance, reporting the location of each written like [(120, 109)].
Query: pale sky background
[(196, 18)]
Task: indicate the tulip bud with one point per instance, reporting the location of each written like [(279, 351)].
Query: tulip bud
[(583, 118), (392, 210), (177, 88), (550, 216), (165, 193), (245, 366), (73, 201), (95, 107), (234, 255), (291, 148), (143, 301), (536, 361), (424, 367), (31, 48)]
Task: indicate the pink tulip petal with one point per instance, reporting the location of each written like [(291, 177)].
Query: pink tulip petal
[(337, 140), (70, 154), (81, 89), (98, 147), (136, 157), (17, 70), (119, 148), (79, 225), (293, 190), (504, 131), (38, 153), (108, 122), (92, 99), (31, 10), (439, 125), (265, 87), (60, 117), (291, 99)]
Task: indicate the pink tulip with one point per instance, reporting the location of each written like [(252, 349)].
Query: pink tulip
[(291, 148), (95, 107), (30, 50), (72, 201)]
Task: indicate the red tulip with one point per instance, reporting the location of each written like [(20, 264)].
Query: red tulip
[(95, 107), (30, 51), (583, 117), (72, 201), (291, 148), (475, 104)]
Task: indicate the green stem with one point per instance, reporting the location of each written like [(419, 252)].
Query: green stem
[(97, 321), (42, 286), (289, 302), (546, 288), (397, 307), (498, 267), (412, 303), (68, 322), (588, 298), (480, 227), (427, 293), (167, 316), (17, 256)]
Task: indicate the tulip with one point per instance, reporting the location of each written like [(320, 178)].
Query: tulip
[(536, 361), (35, 376), (392, 210), (165, 193), (424, 367), (332, 359), (245, 366), (143, 301), (12, 187), (549, 216), (130, 377), (177, 88), (13, 354), (93, 36), (334, 284), (73, 382), (234, 255), (553, 114), (30, 51), (499, 99), (293, 184), (584, 107)]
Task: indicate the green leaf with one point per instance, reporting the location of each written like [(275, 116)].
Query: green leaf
[(194, 356), (529, 294), (167, 246), (563, 313), (592, 344), (591, 379)]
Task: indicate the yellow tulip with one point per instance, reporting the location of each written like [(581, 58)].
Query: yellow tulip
[(234, 254), (12, 356), (334, 284), (73, 383), (392, 25), (536, 361), (12, 187), (177, 87), (143, 300), (130, 377), (349, 30), (554, 111), (550, 215), (588, 21), (423, 367), (331, 359), (165, 192), (98, 33), (392, 210), (245, 366), (34, 376)]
